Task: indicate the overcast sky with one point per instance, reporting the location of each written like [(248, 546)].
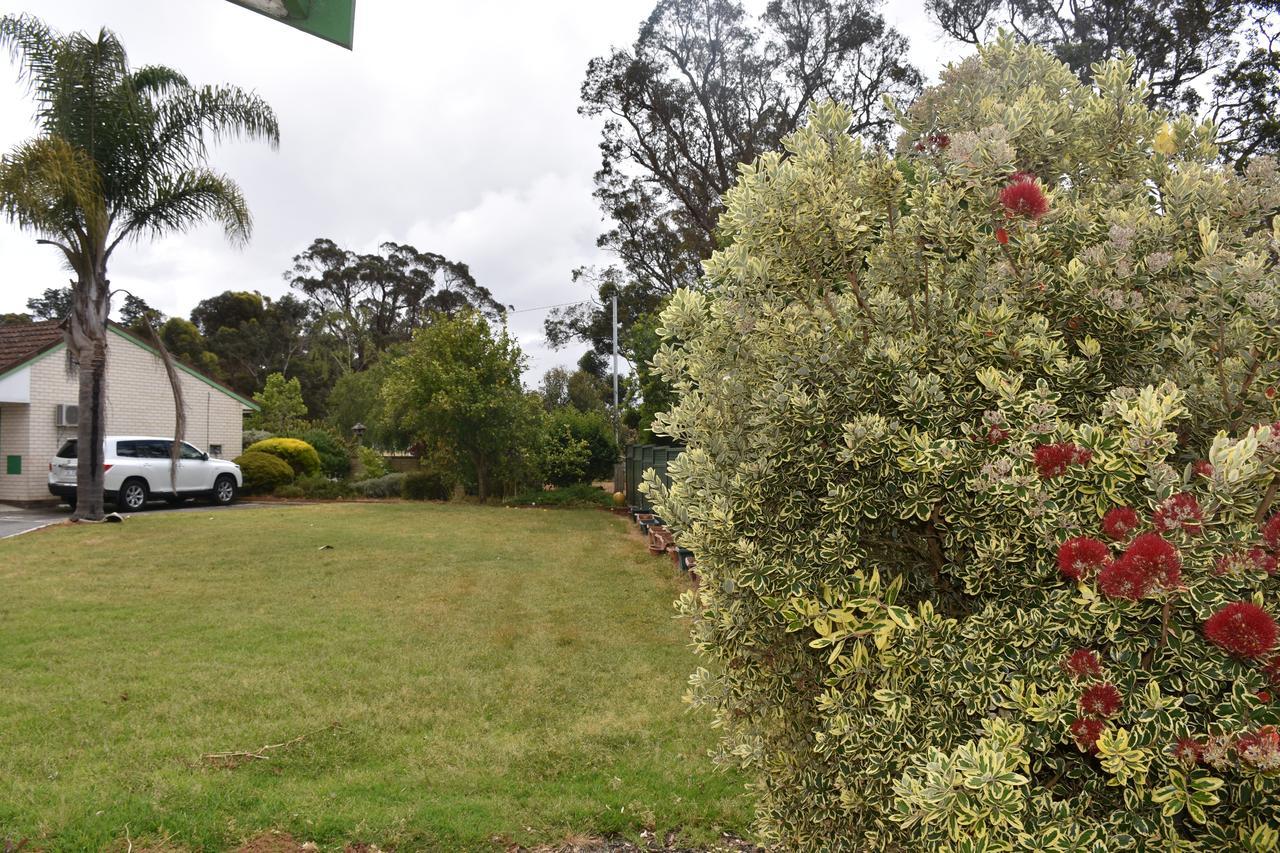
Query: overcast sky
[(451, 126)]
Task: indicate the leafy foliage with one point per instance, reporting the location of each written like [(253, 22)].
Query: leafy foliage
[(296, 453), (364, 303), (385, 486), (263, 472), (427, 485), (281, 404), (372, 462), (902, 397), (458, 384), (335, 455), (594, 432), (575, 496), (1178, 47)]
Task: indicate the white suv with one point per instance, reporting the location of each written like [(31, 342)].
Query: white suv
[(138, 470)]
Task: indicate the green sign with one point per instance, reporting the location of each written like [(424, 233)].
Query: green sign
[(331, 20)]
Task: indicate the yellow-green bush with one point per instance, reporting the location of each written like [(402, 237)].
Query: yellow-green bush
[(263, 472), (915, 385), (299, 455)]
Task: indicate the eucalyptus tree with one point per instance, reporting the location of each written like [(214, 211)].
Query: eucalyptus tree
[(119, 156)]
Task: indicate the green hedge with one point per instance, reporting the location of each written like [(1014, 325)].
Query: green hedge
[(386, 486), (299, 455), (263, 472), (427, 486)]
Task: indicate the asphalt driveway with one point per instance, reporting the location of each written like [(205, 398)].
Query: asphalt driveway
[(16, 520)]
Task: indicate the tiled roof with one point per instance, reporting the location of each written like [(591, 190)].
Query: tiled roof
[(21, 341)]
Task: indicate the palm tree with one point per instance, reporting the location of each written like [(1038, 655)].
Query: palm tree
[(120, 156)]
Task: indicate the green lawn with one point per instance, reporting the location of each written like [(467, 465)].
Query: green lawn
[(497, 676)]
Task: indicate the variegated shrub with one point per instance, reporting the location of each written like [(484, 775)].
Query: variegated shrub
[(980, 475)]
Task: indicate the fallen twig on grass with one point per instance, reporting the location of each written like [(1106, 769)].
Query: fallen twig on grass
[(234, 758)]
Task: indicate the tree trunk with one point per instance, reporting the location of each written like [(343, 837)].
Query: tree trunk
[(86, 335)]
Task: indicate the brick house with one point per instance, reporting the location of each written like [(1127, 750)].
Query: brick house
[(37, 385)]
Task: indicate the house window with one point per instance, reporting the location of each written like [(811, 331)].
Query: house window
[(215, 450), (13, 465)]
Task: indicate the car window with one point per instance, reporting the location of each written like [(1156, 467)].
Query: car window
[(68, 450), (154, 449), (189, 452), (127, 449)]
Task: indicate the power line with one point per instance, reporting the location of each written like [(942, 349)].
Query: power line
[(548, 307)]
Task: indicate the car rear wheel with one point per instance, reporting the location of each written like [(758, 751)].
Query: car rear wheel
[(224, 490), (132, 495)]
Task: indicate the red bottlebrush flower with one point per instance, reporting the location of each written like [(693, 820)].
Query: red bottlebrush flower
[(1122, 579), (996, 434), (1271, 532), (919, 146), (1080, 557), (1020, 175), (939, 140), (1263, 696), (1188, 750), (1260, 749), (1024, 197), (1002, 237), (1203, 468), (1270, 392), (1262, 560), (1150, 564), (1100, 700), (1243, 628), (1053, 460), (1119, 522), (1083, 663), (1157, 558), (1086, 732), (1180, 512)]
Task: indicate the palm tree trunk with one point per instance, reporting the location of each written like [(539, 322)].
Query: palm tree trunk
[(87, 339)]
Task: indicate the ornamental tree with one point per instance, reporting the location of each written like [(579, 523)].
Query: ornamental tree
[(965, 464)]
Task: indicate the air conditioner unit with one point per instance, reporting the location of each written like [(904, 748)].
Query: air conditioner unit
[(68, 415)]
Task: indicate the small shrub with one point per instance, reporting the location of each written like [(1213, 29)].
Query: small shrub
[(253, 436), (386, 486), (427, 486), (576, 496), (299, 455), (374, 465), (290, 491), (321, 488), (263, 472), (335, 457)]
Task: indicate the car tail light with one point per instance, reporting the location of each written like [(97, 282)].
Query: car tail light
[(106, 466)]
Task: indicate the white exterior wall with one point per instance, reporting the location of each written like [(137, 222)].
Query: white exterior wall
[(138, 402)]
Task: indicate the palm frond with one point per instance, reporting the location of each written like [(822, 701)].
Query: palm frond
[(32, 44), (157, 80), (51, 187), (192, 197)]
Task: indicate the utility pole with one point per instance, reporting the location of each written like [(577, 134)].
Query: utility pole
[(617, 433)]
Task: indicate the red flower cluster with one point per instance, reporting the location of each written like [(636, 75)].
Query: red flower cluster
[(1002, 236), (1242, 562), (996, 434), (1243, 628), (1082, 664), (1180, 512), (1260, 749), (1080, 557), (1188, 750), (1149, 565), (1119, 522), (1100, 701), (1086, 731), (1053, 460), (1271, 532), (1203, 468), (1023, 196)]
